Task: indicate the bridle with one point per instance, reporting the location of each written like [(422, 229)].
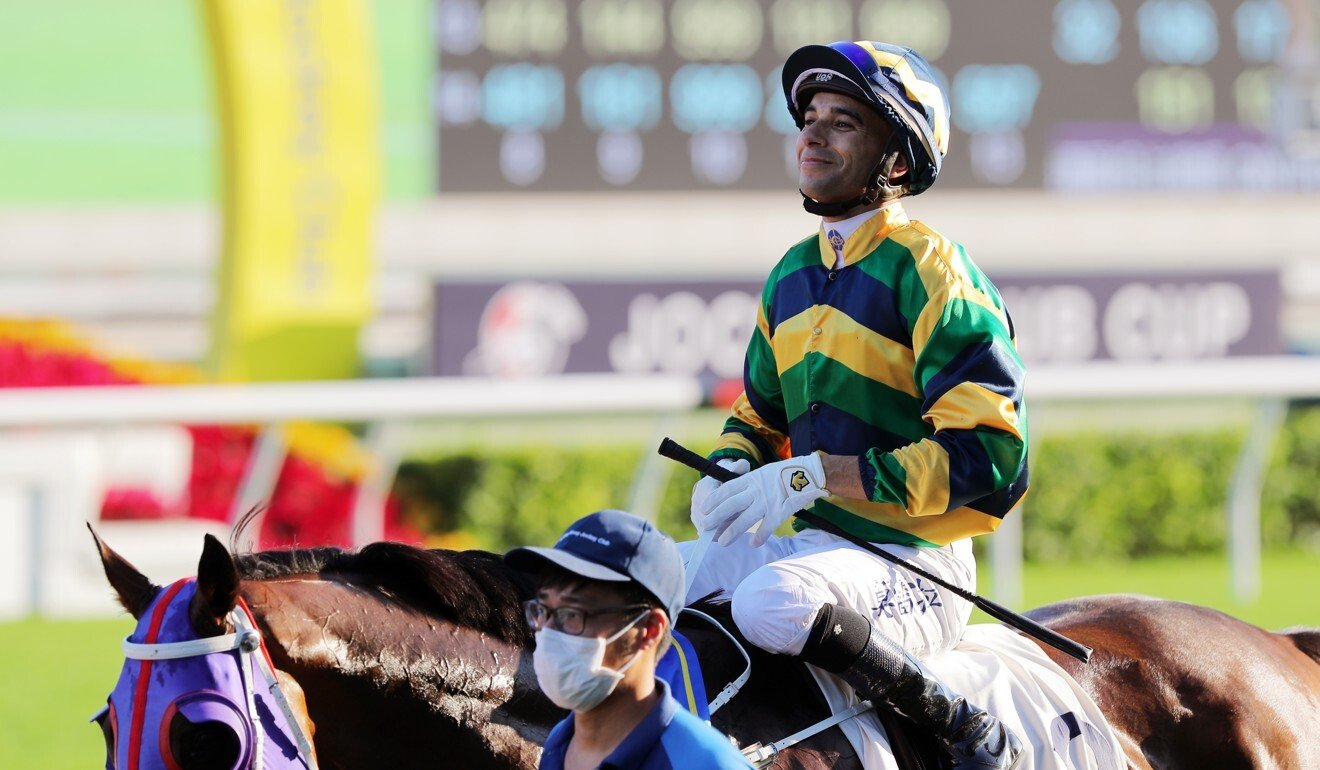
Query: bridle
[(251, 646)]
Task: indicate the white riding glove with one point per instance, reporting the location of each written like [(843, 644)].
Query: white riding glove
[(702, 489), (769, 495)]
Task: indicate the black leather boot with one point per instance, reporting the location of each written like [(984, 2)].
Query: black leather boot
[(885, 673)]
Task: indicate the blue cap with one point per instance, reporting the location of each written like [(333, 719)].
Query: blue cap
[(614, 546)]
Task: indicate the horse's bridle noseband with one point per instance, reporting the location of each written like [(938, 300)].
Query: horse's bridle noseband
[(247, 639)]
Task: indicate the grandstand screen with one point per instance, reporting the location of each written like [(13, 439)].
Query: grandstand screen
[(1085, 95)]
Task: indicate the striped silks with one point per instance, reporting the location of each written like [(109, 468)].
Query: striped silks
[(904, 357)]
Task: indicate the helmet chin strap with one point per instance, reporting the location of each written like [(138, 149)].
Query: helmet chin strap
[(840, 208), (878, 186)]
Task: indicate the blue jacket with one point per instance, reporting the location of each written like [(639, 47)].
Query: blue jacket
[(668, 738)]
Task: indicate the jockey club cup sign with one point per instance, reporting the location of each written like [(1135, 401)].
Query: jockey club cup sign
[(538, 327), (1151, 317), (543, 327)]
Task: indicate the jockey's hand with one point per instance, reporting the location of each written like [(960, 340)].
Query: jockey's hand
[(702, 489), (769, 495)]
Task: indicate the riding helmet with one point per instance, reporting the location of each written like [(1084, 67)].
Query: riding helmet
[(895, 81)]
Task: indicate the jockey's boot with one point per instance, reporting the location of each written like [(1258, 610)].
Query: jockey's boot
[(883, 672)]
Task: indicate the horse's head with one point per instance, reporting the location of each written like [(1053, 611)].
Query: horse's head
[(197, 690)]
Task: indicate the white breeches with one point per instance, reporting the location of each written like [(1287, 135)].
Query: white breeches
[(778, 588)]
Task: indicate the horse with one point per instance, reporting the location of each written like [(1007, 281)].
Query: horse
[(406, 658)]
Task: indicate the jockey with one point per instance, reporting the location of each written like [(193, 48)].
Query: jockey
[(883, 390)]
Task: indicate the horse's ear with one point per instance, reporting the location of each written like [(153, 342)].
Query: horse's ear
[(135, 591), (217, 589)]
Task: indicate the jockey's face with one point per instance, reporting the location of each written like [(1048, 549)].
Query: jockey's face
[(840, 144)]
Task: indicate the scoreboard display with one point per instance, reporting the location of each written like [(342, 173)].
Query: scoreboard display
[(1086, 95)]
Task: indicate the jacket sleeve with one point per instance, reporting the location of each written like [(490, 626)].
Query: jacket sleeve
[(757, 429), (971, 381)]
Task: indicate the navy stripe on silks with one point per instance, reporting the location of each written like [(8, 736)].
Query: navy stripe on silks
[(867, 301), (971, 475), (1070, 719), (1012, 333), (999, 503), (987, 364), (774, 417), (839, 433), (767, 452), (868, 476)]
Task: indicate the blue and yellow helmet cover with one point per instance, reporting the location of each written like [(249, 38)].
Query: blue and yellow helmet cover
[(895, 81)]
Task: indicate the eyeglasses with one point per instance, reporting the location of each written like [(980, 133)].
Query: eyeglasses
[(570, 620)]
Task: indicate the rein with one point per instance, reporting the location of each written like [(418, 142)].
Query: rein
[(248, 641), (731, 689), (760, 756), (679, 453)]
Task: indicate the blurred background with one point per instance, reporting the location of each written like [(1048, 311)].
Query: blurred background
[(444, 271)]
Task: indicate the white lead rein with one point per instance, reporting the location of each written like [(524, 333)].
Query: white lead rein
[(695, 559), (760, 756), (756, 753)]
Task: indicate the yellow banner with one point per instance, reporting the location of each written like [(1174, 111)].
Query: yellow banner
[(296, 87)]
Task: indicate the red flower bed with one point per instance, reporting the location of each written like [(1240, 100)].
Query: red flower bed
[(21, 367), (309, 506), (122, 503), (220, 455)]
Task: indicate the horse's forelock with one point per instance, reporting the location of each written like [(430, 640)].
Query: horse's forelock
[(268, 565)]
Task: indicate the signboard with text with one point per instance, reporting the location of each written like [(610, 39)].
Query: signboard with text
[(545, 327)]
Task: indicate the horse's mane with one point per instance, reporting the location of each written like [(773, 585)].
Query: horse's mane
[(471, 588), (1307, 640)]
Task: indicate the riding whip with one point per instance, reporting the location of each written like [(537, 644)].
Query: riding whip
[(675, 451)]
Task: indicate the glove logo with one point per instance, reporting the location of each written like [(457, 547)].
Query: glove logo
[(798, 481)]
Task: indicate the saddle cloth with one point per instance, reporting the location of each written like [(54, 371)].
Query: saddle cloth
[(1013, 679)]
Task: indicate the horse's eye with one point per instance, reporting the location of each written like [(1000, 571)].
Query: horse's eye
[(109, 725), (206, 745)]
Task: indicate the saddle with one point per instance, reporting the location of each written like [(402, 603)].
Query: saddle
[(709, 654), (992, 666)]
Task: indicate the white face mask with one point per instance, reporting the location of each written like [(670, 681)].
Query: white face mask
[(571, 669)]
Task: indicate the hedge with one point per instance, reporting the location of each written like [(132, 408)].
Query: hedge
[(1107, 495)]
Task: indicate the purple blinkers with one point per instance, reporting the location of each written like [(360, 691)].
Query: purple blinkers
[(184, 703)]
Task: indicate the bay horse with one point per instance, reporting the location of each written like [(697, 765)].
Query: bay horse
[(411, 658)]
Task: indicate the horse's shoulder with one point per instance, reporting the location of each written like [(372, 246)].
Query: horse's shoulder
[(1133, 615), (1127, 616)]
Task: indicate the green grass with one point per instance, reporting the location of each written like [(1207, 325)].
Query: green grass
[(56, 674), (1287, 597), (113, 102)]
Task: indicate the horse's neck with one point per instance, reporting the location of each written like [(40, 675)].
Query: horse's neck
[(329, 623), (364, 659)]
